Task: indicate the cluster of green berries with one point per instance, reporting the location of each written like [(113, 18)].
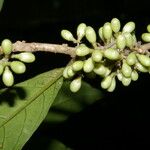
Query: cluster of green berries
[(10, 62), (114, 56)]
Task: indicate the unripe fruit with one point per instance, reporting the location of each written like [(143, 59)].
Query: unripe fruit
[(75, 85), (65, 72), (126, 81), (1, 69), (131, 59), (129, 27), (100, 69), (88, 65), (26, 57), (112, 86), (126, 70), (67, 35), (134, 75), (119, 76), (134, 39), (121, 41), (77, 65), (7, 46), (82, 50), (146, 37), (7, 77), (148, 28), (97, 55), (129, 39), (111, 54), (106, 82), (100, 32), (140, 67), (107, 31), (115, 25), (81, 31), (70, 72), (90, 34), (18, 67), (144, 60)]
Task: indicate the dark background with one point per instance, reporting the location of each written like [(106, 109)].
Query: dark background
[(121, 121)]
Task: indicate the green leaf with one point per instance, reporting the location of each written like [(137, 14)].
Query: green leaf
[(23, 108), (1, 4), (67, 103)]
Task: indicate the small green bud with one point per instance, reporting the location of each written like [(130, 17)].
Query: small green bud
[(144, 60), (134, 39), (134, 75), (121, 41), (67, 35), (148, 28), (126, 81), (82, 50), (18, 67), (65, 72), (1, 69), (112, 86), (119, 76), (129, 39), (75, 85), (90, 34), (97, 55), (81, 31), (146, 37), (111, 54), (26, 57), (100, 32), (115, 25), (131, 59), (70, 72), (77, 65), (88, 65), (107, 31), (140, 67), (126, 70), (7, 46), (100, 69), (7, 77), (129, 27), (106, 82)]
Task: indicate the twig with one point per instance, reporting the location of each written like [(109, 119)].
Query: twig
[(36, 47)]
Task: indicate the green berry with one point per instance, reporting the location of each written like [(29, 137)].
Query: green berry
[(146, 37), (144, 60), (129, 27), (129, 39), (97, 55), (26, 57), (126, 70), (81, 31), (67, 35), (18, 67), (119, 76), (126, 81), (140, 67), (112, 86), (88, 65), (100, 32), (1, 69), (82, 50), (100, 69), (131, 59), (7, 77), (121, 41), (75, 85), (77, 65), (107, 31), (90, 34), (134, 75), (65, 72), (106, 82), (7, 46), (115, 25), (134, 39), (70, 71), (148, 28), (111, 54)]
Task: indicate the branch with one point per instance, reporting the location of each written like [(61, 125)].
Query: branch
[(36, 47), (145, 47)]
